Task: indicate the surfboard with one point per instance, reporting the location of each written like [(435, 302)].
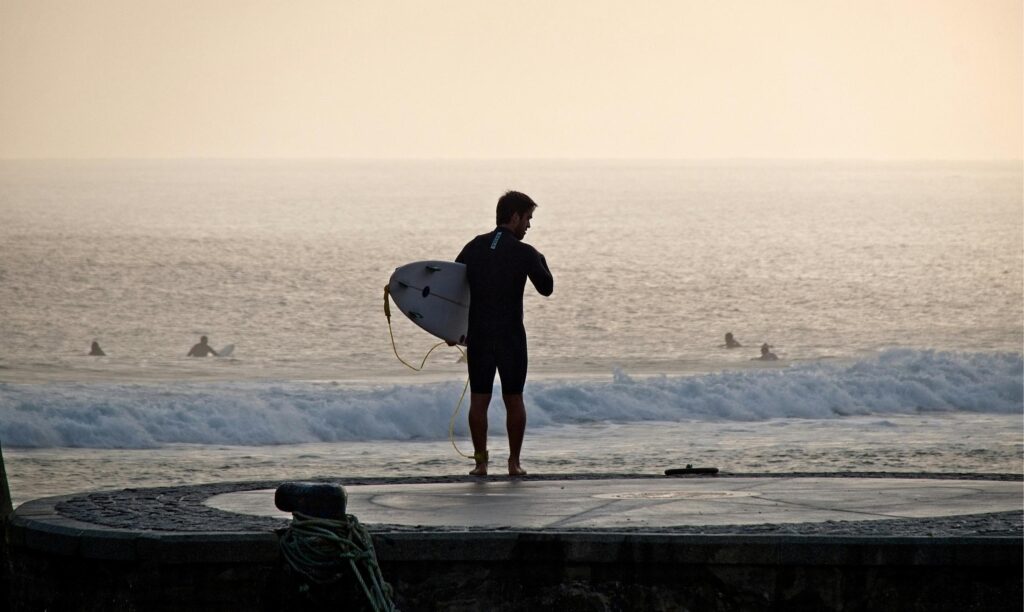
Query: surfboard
[(435, 296), (226, 351)]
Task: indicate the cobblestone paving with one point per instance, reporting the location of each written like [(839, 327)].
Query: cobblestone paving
[(181, 508)]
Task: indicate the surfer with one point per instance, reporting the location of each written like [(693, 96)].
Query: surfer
[(202, 349), (497, 266), (95, 350), (767, 354), (731, 342)]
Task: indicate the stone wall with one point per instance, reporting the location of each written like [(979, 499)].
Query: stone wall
[(524, 571)]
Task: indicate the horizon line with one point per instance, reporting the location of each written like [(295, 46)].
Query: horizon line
[(509, 159)]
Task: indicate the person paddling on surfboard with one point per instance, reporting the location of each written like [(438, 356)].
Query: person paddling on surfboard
[(202, 349), (497, 266), (766, 354)]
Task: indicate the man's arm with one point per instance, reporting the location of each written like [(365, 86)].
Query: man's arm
[(539, 273)]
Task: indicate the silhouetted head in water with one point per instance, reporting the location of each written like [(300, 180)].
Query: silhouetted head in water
[(95, 350), (730, 342)]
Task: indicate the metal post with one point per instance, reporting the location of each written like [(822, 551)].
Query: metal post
[(6, 507), (6, 513)]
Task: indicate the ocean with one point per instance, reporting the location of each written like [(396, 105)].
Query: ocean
[(891, 292)]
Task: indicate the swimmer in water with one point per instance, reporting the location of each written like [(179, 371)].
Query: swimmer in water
[(731, 342), (202, 349), (766, 353), (96, 351)]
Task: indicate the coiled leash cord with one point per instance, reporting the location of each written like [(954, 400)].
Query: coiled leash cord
[(451, 422)]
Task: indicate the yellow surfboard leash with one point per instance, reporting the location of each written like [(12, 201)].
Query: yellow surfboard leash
[(451, 422)]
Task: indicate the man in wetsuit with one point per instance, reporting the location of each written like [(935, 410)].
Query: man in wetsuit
[(497, 266)]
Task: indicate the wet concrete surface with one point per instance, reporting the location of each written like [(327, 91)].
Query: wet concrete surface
[(653, 502)]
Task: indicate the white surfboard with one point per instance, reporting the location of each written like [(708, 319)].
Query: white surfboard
[(226, 351), (435, 296)]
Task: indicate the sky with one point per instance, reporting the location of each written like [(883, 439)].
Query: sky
[(675, 79)]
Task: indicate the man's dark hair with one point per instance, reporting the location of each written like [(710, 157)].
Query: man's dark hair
[(511, 203)]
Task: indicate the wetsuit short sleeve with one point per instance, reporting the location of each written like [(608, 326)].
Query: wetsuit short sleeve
[(537, 270)]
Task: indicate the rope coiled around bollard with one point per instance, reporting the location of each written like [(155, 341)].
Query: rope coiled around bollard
[(319, 549)]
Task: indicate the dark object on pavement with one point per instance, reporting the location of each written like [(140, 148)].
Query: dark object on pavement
[(316, 499), (689, 469)]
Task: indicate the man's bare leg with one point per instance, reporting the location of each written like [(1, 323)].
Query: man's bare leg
[(478, 403), (515, 422)]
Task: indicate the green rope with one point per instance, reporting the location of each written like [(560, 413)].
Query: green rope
[(318, 549)]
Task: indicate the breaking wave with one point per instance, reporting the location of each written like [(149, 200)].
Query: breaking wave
[(897, 381)]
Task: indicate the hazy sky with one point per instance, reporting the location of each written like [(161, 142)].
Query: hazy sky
[(533, 79)]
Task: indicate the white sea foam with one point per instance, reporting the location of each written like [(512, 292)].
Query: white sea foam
[(897, 381)]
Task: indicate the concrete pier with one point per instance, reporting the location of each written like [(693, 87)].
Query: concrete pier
[(609, 542)]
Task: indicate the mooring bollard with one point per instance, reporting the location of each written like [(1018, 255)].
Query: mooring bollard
[(317, 499)]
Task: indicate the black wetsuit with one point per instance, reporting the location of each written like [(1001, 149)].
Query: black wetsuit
[(497, 266)]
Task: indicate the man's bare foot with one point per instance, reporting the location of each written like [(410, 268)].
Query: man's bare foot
[(514, 469), (481, 458)]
